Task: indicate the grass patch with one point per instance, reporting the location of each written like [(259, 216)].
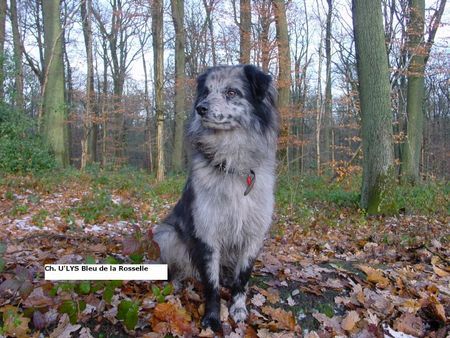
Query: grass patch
[(302, 196), (99, 206), (432, 197)]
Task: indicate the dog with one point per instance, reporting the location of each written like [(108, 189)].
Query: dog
[(217, 228)]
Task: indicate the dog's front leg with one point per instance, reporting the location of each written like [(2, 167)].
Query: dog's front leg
[(238, 309), (207, 260)]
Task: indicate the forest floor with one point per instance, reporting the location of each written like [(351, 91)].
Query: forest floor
[(326, 268)]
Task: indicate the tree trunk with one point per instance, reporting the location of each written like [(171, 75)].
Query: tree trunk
[(319, 107), (284, 67), (415, 94), (68, 97), (374, 94), (88, 142), (328, 117), (2, 47), (148, 127), (180, 78), (245, 30), (158, 66), (265, 17), (53, 117), (18, 68), (104, 108), (208, 8)]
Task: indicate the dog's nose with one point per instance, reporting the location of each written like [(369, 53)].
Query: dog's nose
[(202, 108)]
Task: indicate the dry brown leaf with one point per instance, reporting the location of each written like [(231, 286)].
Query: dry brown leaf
[(38, 299), (85, 332), (312, 334), (375, 276), (433, 308), (330, 323), (265, 333), (349, 322), (176, 317), (250, 332), (283, 320), (64, 328), (273, 295), (258, 300), (14, 324), (411, 306), (409, 324), (207, 333), (440, 272)]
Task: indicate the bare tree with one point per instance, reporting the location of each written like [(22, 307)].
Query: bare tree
[(245, 26), (264, 46), (148, 144), (158, 66), (284, 64), (180, 78), (2, 46), (18, 68), (88, 141), (119, 33), (53, 118), (374, 94), (328, 117), (412, 148), (319, 106)]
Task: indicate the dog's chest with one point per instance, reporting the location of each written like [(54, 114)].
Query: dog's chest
[(223, 216)]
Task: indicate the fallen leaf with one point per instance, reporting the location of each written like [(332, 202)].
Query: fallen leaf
[(440, 272), (283, 320), (375, 276), (14, 323), (174, 315), (411, 306), (38, 299), (85, 332), (273, 295), (206, 333), (434, 309), (291, 301), (64, 328), (258, 300), (39, 321), (349, 321), (311, 334), (410, 324), (333, 323)]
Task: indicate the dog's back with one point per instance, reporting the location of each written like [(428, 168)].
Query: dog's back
[(225, 210)]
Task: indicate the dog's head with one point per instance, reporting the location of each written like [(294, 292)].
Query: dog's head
[(231, 97)]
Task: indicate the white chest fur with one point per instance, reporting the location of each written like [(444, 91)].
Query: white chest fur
[(223, 216)]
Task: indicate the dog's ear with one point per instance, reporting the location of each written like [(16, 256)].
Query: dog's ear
[(201, 86), (259, 82)]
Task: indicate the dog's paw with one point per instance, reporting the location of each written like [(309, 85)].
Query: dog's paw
[(212, 320), (238, 313)]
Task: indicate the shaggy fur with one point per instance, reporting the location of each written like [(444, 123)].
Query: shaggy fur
[(217, 227)]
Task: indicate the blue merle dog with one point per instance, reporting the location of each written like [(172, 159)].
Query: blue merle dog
[(217, 228)]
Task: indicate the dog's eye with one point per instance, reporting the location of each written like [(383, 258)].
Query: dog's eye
[(231, 93)]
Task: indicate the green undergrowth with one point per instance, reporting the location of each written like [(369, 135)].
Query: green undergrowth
[(304, 196), (21, 148), (299, 197)]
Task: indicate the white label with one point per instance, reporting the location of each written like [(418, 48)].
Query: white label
[(106, 271)]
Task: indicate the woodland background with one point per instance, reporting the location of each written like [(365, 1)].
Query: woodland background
[(94, 96), (126, 81)]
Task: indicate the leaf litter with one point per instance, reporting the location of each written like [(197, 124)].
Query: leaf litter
[(361, 277)]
